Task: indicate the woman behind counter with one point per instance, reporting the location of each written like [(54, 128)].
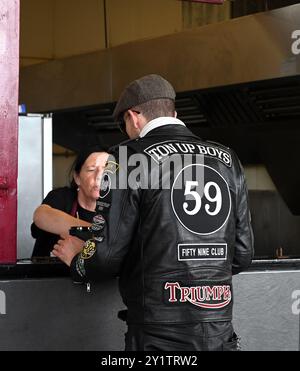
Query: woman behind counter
[(71, 206)]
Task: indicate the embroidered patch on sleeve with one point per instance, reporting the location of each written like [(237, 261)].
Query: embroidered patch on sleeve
[(89, 250), (80, 267)]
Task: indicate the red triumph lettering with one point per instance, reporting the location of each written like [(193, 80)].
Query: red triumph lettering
[(209, 292), (172, 287), (193, 294), (200, 294), (227, 293), (220, 292), (185, 293), (209, 297)]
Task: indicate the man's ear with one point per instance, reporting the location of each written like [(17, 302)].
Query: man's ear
[(134, 118)]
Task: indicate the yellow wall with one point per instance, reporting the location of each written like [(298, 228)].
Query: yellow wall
[(78, 27), (196, 14), (36, 31), (130, 20), (53, 29)]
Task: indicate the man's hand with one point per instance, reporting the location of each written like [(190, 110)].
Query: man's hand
[(67, 247)]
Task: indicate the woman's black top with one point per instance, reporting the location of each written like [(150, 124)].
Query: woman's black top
[(64, 199)]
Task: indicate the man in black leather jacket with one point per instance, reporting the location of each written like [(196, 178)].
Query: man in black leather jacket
[(173, 223)]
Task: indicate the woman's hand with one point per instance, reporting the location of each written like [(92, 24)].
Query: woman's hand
[(67, 247)]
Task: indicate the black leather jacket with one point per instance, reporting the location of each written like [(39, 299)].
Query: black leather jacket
[(174, 247)]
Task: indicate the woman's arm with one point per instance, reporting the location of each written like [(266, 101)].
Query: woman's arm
[(55, 221)]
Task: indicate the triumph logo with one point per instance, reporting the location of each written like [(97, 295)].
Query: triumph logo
[(2, 302), (208, 297)]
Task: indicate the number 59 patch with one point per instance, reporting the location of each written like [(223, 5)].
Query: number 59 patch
[(201, 199)]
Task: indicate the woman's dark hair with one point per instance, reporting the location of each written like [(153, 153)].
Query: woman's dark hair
[(80, 160)]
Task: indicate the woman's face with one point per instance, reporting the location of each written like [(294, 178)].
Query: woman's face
[(89, 177)]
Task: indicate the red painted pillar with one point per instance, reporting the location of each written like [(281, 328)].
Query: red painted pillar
[(9, 87)]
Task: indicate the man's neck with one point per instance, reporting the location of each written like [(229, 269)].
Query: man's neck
[(160, 121)]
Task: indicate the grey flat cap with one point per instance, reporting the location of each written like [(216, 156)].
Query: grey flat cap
[(140, 91)]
